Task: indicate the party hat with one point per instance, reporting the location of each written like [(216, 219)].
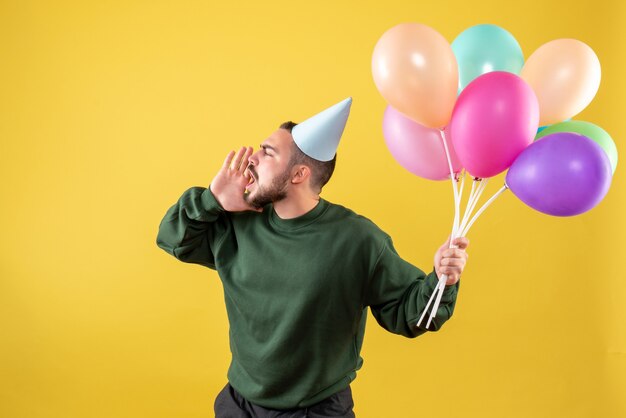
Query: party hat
[(318, 136)]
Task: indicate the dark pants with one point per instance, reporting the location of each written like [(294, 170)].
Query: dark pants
[(230, 404)]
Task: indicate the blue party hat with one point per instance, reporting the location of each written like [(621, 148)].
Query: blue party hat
[(318, 136)]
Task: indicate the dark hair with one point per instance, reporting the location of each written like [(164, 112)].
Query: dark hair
[(321, 171)]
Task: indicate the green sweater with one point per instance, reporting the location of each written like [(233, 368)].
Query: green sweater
[(297, 292)]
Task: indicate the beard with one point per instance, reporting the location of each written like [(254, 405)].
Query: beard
[(265, 195)]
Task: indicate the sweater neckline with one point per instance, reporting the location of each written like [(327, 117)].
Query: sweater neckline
[(300, 221)]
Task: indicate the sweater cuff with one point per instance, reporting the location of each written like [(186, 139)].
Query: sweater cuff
[(449, 292), (209, 202)]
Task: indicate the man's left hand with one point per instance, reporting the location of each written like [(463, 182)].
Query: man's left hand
[(451, 261)]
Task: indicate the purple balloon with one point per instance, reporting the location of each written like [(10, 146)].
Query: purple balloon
[(562, 174)]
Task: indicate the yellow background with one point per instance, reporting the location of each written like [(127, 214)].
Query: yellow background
[(110, 110)]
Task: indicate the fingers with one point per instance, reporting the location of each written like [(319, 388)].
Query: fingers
[(453, 262), (239, 161), (244, 161), (452, 279), (451, 272), (454, 253), (461, 242), (228, 160)]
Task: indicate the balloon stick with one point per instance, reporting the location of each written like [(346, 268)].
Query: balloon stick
[(483, 207), (459, 227), (441, 284)]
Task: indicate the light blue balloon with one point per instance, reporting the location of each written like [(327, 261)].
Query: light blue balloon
[(485, 48)]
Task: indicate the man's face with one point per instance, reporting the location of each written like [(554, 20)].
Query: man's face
[(270, 170)]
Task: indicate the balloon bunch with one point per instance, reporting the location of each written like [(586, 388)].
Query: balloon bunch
[(476, 106)]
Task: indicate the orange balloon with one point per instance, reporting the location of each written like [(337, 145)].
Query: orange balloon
[(415, 70), (565, 75)]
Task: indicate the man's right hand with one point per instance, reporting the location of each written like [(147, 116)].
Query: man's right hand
[(230, 183)]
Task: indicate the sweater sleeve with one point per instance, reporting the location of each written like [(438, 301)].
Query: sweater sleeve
[(191, 227), (398, 293)]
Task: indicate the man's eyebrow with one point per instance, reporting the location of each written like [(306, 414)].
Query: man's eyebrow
[(265, 146)]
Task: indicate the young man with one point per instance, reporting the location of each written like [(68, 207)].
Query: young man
[(299, 273)]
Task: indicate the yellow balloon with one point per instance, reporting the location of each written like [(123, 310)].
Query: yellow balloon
[(565, 75), (415, 70)]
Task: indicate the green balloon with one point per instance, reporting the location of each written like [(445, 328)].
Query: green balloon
[(589, 130)]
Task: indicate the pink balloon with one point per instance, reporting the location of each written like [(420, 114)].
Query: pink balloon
[(418, 148), (495, 118)]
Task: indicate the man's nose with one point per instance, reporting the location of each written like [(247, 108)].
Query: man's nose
[(253, 159)]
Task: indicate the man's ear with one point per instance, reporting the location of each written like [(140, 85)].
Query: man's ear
[(300, 174)]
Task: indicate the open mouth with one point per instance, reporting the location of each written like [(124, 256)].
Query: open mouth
[(252, 179)]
